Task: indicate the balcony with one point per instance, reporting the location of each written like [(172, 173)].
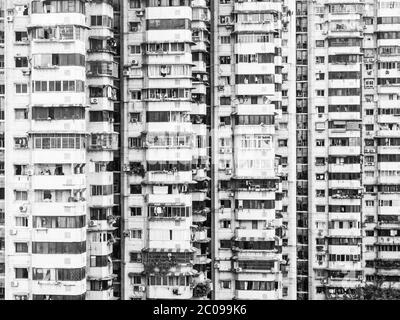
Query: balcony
[(72, 208), (51, 126), (255, 233), (100, 248), (169, 177), (201, 259), (255, 214), (101, 273), (58, 287), (100, 295), (200, 236), (256, 255), (58, 182), (58, 156), (258, 295), (169, 292)]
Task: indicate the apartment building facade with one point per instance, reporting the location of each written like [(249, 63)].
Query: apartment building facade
[(247, 173), (2, 106), (61, 141), (347, 68), (194, 149), (165, 158)]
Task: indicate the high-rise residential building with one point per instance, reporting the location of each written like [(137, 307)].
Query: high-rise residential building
[(61, 92), (165, 160), (353, 186), (195, 149), (246, 178), (2, 207)]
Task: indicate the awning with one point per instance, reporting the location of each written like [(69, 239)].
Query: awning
[(176, 274), (169, 250), (58, 105), (254, 239), (102, 278)]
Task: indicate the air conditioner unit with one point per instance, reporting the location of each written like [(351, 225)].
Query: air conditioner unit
[(228, 171), (23, 208), (10, 18), (14, 283), (222, 150), (238, 269), (13, 232), (231, 194), (94, 100), (26, 72), (92, 223), (30, 172), (134, 62), (139, 13), (125, 73)]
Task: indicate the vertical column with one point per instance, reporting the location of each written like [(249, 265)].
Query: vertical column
[(102, 75)]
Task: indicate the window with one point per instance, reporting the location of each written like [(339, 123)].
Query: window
[(225, 60), (134, 4), (21, 114), (21, 62), (369, 203), (136, 211), (225, 39), (135, 257), (136, 95), (225, 284), (320, 142), (225, 244), (225, 224), (135, 234), (21, 36), (134, 49), (369, 127), (135, 189), (320, 93), (134, 142), (319, 43), (21, 247), (21, 195), (21, 273), (21, 88), (21, 221)]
